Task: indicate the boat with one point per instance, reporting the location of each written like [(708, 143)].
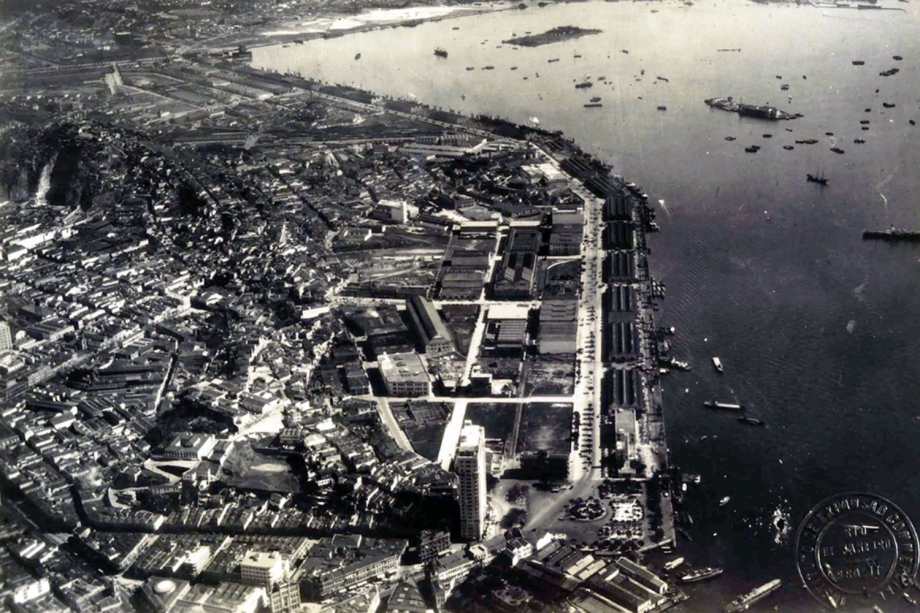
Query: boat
[(807, 141), (744, 602), (892, 234), (717, 362), (673, 564), (910, 599), (514, 68), (596, 99), (897, 57), (440, 52), (729, 138), (888, 105), (358, 56), (662, 79), (752, 421), (859, 141), (820, 179), (593, 105), (725, 406), (768, 136), (298, 41), (724, 501), (864, 121), (701, 574), (662, 108), (754, 149), (471, 68), (584, 85), (837, 150), (858, 62), (788, 147), (488, 67), (550, 61), (784, 87), (912, 122), (624, 51), (869, 7), (889, 72)]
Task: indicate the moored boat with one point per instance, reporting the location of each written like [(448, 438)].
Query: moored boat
[(718, 363), (701, 574)]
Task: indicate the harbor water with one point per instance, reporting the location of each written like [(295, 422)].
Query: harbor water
[(817, 329)]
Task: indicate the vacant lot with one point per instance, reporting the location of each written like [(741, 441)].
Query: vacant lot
[(497, 419), (546, 427), (249, 469), (551, 376)]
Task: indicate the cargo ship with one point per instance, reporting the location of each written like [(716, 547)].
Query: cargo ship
[(725, 406), (818, 178), (744, 602), (701, 574), (769, 113), (893, 234)]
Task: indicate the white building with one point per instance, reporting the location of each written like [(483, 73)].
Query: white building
[(470, 466), (261, 568)]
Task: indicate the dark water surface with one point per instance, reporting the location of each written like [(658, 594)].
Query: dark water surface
[(818, 330)]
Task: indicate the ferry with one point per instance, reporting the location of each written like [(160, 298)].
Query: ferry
[(744, 602), (724, 501), (716, 361), (701, 574), (725, 406), (673, 564)]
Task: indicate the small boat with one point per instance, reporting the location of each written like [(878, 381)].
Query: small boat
[(673, 564), (837, 150), (488, 67), (593, 105), (358, 56), (555, 59), (729, 138), (768, 136), (788, 147), (471, 68), (867, 127), (440, 52), (514, 68), (897, 57), (784, 87), (724, 501), (858, 62), (725, 406), (596, 99), (752, 149), (662, 108), (701, 574), (624, 51), (751, 421), (820, 179), (888, 105), (718, 364), (864, 121), (912, 122), (584, 85), (662, 79), (859, 141)]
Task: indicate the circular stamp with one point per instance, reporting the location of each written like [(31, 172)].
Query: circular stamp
[(853, 548)]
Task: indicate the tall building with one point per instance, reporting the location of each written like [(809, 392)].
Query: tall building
[(470, 466), (6, 339)]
